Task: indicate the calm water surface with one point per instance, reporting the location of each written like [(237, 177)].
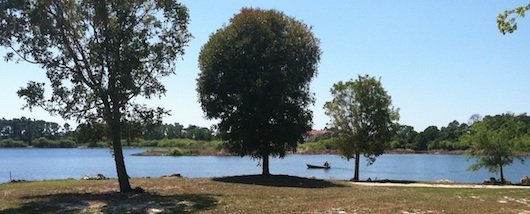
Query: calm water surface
[(39, 164)]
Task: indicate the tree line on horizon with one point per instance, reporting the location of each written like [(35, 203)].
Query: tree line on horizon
[(25, 132), (431, 138), (446, 137)]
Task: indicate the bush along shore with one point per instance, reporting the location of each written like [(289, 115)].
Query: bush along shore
[(195, 140), (190, 147)]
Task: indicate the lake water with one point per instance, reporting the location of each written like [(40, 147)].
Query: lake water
[(41, 164)]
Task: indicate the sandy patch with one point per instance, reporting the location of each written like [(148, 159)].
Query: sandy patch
[(463, 186)]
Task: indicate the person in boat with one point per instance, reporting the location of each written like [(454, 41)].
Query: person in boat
[(326, 164)]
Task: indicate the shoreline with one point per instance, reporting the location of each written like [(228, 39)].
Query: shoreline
[(158, 151), (370, 183)]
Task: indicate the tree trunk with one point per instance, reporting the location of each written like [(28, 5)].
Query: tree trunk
[(356, 171), (502, 174), (123, 178), (265, 166)]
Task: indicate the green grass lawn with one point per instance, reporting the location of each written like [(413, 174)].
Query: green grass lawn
[(252, 194)]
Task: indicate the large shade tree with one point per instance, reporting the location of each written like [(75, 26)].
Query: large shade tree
[(362, 116), (255, 75), (98, 55)]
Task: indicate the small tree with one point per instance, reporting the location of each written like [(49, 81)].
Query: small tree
[(493, 142), (99, 55), (255, 75), (361, 113)]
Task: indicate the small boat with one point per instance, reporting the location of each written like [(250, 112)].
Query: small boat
[(309, 166)]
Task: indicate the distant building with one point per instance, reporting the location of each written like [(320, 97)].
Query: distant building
[(317, 134)]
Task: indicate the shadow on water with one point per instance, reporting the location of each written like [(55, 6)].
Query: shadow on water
[(115, 203), (278, 181)]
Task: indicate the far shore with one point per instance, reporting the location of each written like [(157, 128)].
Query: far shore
[(164, 152)]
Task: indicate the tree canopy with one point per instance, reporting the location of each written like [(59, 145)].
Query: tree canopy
[(255, 75), (98, 55), (26, 129), (494, 142), (362, 116)]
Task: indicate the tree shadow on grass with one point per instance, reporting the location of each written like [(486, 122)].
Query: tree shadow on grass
[(278, 181), (391, 181), (115, 203)]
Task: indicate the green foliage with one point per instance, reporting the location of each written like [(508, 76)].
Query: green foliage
[(432, 138), (66, 143), (25, 129), (166, 131), (48, 135), (362, 116), (319, 145), (255, 75), (11, 143), (107, 51), (507, 21), (361, 113), (145, 143), (447, 145), (494, 141), (404, 137), (181, 147), (46, 143), (41, 143), (188, 144), (198, 133), (177, 143), (98, 56), (423, 138), (89, 133), (178, 131), (523, 145), (175, 152)]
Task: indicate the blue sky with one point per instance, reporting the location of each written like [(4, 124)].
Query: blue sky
[(439, 60)]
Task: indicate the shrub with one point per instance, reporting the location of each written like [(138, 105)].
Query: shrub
[(325, 144), (147, 143), (181, 143), (41, 142), (217, 145), (66, 143), (175, 152), (10, 143)]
